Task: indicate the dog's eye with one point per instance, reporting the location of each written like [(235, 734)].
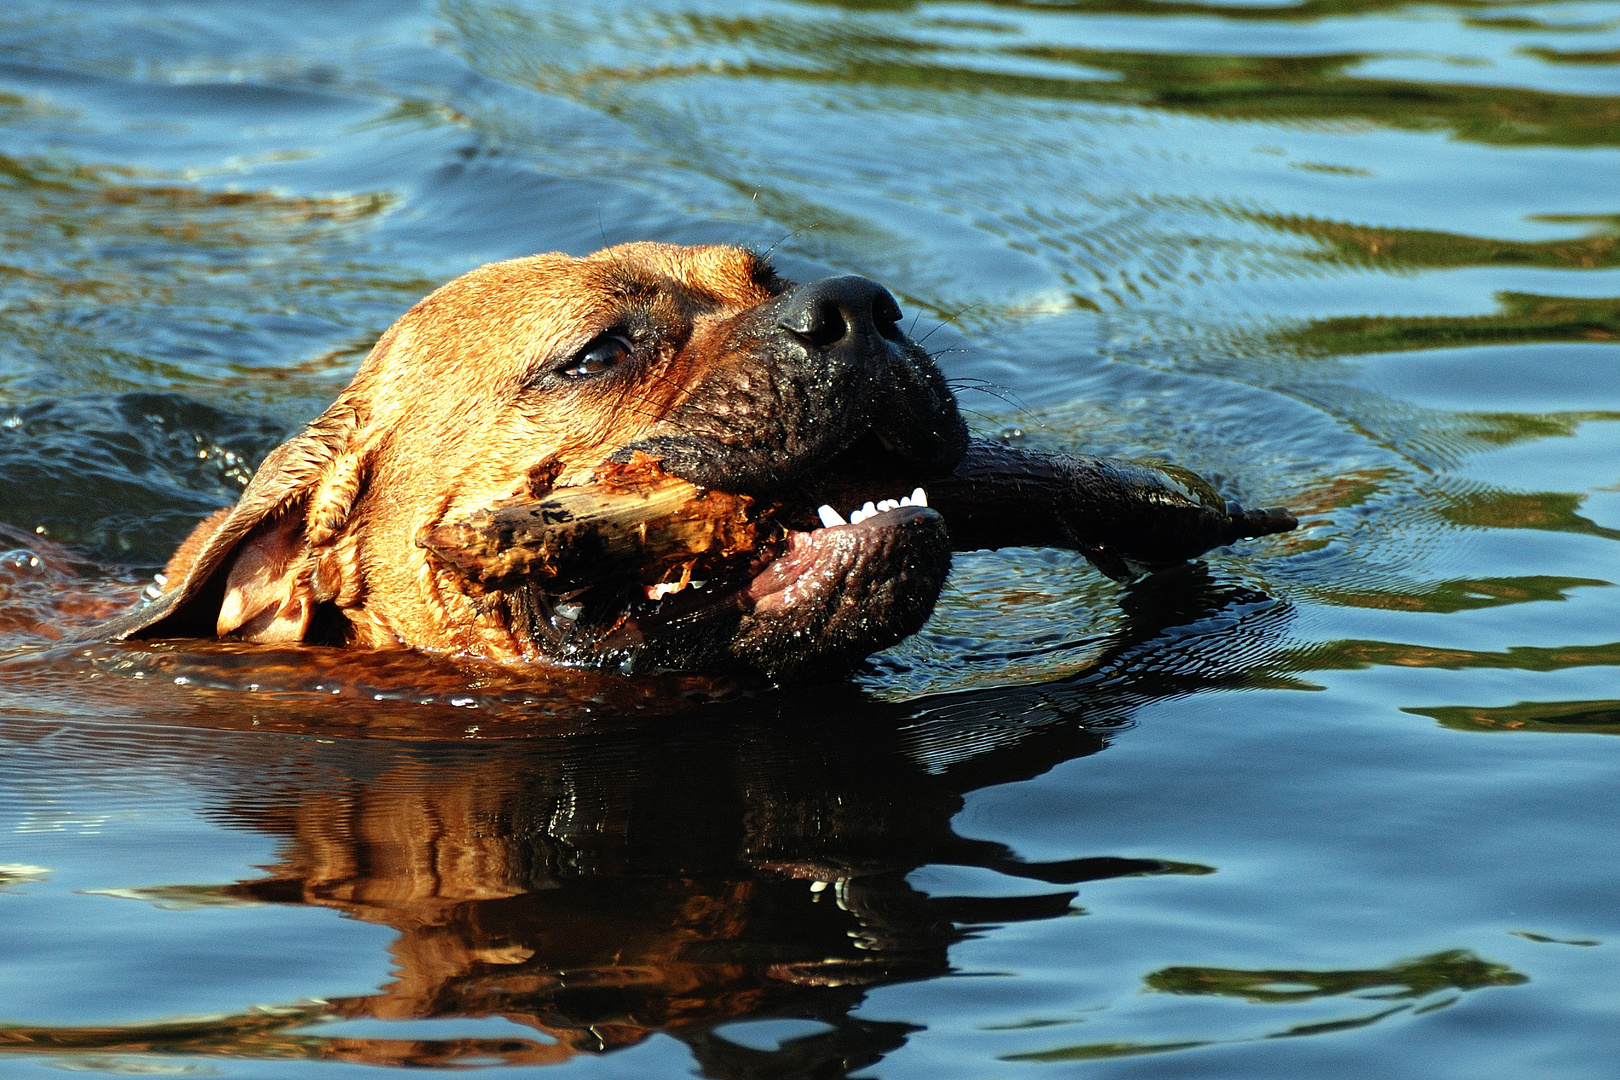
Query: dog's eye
[(597, 356)]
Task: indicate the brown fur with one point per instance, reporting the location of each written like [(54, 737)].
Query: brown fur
[(437, 424)]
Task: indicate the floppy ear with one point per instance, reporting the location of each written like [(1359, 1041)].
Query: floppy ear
[(269, 591), (251, 569)]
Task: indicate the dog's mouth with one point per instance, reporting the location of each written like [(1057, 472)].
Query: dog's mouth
[(839, 567)]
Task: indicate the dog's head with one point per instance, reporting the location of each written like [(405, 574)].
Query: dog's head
[(541, 371)]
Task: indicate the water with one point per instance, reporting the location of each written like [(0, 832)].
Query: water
[(1338, 803)]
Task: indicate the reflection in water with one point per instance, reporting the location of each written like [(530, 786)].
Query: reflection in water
[(1445, 597), (1352, 655), (1438, 977), (1574, 56), (1520, 317), (1590, 717), (628, 877), (113, 281), (1276, 88), (1236, 233), (1422, 249), (1553, 511), (1320, 88), (1253, 88), (1455, 970)]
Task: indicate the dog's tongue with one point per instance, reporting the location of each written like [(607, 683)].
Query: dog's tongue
[(832, 559), (837, 594)]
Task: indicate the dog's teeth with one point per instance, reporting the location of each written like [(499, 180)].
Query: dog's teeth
[(829, 517), (886, 505), (869, 510), (919, 497)]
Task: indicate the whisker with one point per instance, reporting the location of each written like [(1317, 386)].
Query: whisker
[(948, 319), (996, 390), (772, 249)]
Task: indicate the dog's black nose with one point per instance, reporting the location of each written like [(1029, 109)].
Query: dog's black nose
[(834, 310)]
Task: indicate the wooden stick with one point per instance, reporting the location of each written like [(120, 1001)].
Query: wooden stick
[(1115, 511), (634, 524)]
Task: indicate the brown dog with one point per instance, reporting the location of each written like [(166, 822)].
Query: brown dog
[(536, 373)]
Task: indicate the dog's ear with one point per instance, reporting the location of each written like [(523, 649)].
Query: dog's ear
[(269, 589), (251, 570)]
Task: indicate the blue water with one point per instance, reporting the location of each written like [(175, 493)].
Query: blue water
[(1334, 804)]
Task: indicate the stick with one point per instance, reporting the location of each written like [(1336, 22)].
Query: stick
[(634, 524)]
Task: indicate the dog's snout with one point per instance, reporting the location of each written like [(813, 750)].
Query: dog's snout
[(826, 313)]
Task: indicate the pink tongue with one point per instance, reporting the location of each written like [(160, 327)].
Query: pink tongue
[(818, 562), (773, 587)]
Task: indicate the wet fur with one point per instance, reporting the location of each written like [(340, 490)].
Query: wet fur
[(459, 403)]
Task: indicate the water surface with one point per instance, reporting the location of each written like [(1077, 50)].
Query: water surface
[(1337, 803)]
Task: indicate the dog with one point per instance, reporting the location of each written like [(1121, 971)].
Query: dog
[(536, 373)]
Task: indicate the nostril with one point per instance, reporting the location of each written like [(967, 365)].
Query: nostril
[(886, 316), (826, 325)]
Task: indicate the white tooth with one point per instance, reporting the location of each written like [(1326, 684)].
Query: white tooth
[(886, 505), (857, 516), (905, 500), (919, 497), (870, 510), (829, 517)]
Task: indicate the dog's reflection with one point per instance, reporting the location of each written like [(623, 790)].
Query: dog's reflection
[(600, 893), (750, 861)]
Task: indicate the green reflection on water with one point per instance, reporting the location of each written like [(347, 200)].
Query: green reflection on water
[(1357, 655), (1520, 318), (1306, 11), (1455, 969), (1104, 1050), (887, 53), (1445, 597), (271, 1032), (1276, 89), (1452, 970), (1540, 26), (1551, 511), (1296, 88), (112, 279), (1423, 249), (1573, 56), (1591, 717), (1505, 429)]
